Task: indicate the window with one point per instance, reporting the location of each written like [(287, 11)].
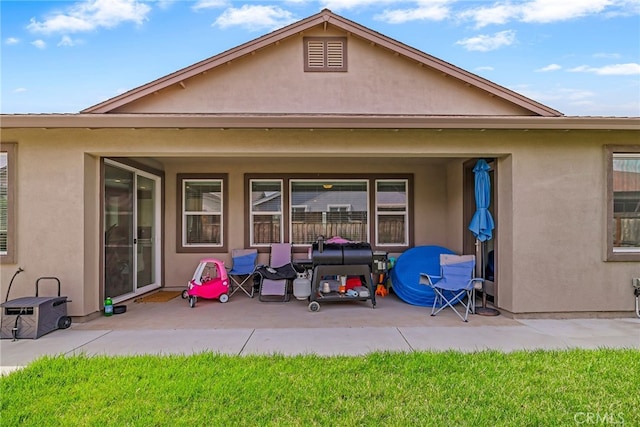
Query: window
[(333, 206), (7, 203), (325, 53), (392, 212), (624, 203), (266, 212), (202, 201)]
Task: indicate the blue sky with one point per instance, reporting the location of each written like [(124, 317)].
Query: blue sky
[(581, 57)]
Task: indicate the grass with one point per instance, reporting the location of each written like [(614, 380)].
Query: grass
[(539, 388)]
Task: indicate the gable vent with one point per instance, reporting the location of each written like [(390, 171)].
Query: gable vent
[(325, 53), (315, 54), (335, 54)]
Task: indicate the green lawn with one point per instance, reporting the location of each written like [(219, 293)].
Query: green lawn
[(540, 388)]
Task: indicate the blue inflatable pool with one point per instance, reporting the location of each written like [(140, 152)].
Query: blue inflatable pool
[(405, 275)]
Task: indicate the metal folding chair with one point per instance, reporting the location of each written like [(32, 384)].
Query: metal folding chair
[(241, 273), (455, 285)]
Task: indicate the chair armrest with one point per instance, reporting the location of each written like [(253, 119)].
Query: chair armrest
[(429, 279), (478, 283)]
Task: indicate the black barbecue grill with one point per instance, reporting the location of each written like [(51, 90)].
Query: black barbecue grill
[(331, 260)]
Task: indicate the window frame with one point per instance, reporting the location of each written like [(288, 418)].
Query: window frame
[(10, 148), (371, 195), (612, 252), (325, 41), (377, 213), (181, 246), (331, 182), (250, 213)]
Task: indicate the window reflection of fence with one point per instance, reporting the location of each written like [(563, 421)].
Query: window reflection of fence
[(626, 232), (391, 230), (202, 231), (309, 232), (266, 232)]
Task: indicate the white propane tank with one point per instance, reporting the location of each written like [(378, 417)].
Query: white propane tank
[(302, 287)]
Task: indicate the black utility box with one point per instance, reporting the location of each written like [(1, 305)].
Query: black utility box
[(32, 317)]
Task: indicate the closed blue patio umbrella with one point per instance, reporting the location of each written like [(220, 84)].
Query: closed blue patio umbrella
[(482, 224)]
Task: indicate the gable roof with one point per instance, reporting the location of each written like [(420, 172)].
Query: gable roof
[(324, 18)]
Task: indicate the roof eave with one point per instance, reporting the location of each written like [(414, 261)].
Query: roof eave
[(311, 121)]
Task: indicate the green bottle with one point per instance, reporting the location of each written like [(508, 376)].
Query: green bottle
[(108, 307)]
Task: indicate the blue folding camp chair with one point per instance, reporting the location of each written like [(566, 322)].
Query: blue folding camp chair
[(455, 285), (244, 265)]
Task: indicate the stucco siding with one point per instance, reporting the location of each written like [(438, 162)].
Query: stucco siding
[(272, 80), (50, 219), (551, 196), (559, 215)]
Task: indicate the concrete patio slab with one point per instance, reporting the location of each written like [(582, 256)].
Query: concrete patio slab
[(164, 342), (469, 339), (246, 326), (335, 341), (22, 352)]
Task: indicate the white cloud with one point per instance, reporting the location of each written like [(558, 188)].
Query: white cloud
[(606, 55), (165, 4), (19, 90), (255, 17), (40, 44), (491, 15), (435, 13), (425, 10), (609, 70), (550, 67), (485, 68), (558, 94), (67, 41), (11, 40), (547, 11), (336, 5), (91, 15), (485, 43), (209, 4)]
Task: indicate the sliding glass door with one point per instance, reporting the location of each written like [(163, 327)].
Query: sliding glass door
[(131, 231)]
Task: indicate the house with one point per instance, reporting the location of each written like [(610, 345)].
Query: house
[(323, 126)]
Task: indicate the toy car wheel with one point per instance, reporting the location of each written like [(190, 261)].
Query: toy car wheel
[(185, 294), (224, 298), (64, 322), (314, 306), (192, 302)]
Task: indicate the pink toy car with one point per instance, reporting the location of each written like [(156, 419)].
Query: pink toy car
[(210, 281)]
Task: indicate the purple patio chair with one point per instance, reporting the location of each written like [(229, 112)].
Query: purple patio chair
[(274, 283)]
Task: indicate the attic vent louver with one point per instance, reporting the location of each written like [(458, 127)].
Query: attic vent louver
[(325, 53)]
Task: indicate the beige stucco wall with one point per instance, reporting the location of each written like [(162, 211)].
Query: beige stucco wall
[(558, 227), (551, 191), (272, 80)]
